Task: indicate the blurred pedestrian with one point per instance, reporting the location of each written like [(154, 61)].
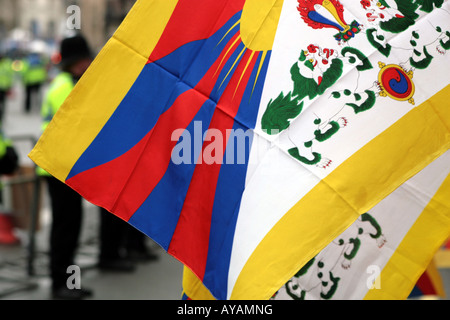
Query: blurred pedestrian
[(66, 204), (9, 162), (121, 245), (34, 75), (6, 82), (113, 233), (136, 247)]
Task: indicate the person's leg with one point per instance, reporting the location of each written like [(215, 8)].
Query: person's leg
[(66, 205), (36, 96), (137, 248), (28, 93), (112, 241), (2, 104)]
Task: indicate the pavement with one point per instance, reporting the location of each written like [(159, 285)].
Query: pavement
[(22, 278)]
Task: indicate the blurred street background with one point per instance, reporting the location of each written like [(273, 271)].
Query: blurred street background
[(41, 24), (31, 30), (24, 272)]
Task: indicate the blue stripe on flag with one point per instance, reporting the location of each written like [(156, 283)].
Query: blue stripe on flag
[(230, 186), (158, 215)]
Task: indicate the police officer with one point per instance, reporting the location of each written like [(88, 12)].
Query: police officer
[(34, 76), (6, 82), (9, 162), (9, 159), (65, 202)]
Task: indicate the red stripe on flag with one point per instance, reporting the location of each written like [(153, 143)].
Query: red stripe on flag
[(191, 237), (198, 19), (109, 177)]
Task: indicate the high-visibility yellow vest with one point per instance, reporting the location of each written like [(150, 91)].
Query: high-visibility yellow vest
[(34, 73), (3, 144), (6, 74), (58, 91)]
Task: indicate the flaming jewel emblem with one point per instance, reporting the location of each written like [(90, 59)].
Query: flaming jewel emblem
[(319, 14)]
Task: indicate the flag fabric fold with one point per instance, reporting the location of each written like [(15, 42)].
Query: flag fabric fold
[(244, 136)]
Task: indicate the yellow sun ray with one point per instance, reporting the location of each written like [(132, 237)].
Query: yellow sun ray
[(257, 29), (226, 53), (229, 30), (243, 71), (232, 67), (261, 62)]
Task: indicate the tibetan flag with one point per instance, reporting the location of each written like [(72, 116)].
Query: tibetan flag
[(244, 136), (387, 253)]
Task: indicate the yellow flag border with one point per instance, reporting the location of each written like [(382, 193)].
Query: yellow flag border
[(416, 250)]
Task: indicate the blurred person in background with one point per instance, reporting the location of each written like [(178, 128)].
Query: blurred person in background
[(66, 204), (6, 82), (34, 75), (9, 163)]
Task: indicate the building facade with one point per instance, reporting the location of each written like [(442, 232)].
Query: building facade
[(51, 20)]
